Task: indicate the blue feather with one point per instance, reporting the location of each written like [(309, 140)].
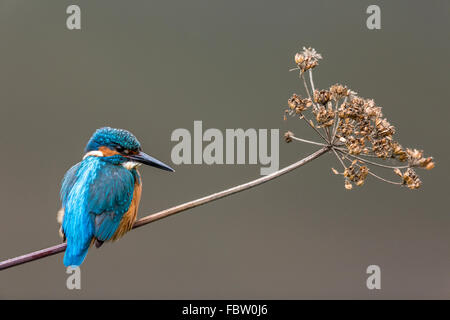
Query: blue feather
[(95, 195), (110, 198)]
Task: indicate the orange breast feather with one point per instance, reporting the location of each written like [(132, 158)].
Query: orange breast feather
[(130, 216)]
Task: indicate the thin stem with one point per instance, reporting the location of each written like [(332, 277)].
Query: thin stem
[(326, 130), (339, 158), (302, 75), (171, 211), (336, 121), (383, 179), (377, 176), (312, 126), (308, 141), (362, 154), (311, 80), (303, 117), (371, 162)]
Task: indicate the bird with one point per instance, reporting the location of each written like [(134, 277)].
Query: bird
[(100, 195)]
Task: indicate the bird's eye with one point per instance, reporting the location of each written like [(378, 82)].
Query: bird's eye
[(120, 149)]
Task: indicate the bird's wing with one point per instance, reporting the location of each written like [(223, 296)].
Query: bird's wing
[(110, 196), (68, 181), (66, 186)]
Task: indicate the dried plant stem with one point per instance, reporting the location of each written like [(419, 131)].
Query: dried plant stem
[(371, 162), (307, 141), (171, 211), (327, 130), (339, 158), (361, 154), (313, 89), (336, 120), (306, 86), (311, 80), (315, 129), (385, 180), (376, 176)]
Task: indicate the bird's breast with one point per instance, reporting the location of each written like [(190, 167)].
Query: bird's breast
[(129, 218)]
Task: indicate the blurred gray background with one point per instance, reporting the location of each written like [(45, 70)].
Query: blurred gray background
[(154, 66)]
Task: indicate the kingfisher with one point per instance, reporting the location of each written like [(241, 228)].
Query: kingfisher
[(100, 195)]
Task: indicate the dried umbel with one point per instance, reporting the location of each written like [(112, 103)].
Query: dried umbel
[(299, 105), (339, 92), (307, 59), (354, 129), (354, 173), (324, 116), (322, 96), (288, 136)]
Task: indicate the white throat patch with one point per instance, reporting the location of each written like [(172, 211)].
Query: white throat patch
[(130, 165), (94, 153)]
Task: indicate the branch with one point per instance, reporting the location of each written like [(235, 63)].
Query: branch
[(168, 212)]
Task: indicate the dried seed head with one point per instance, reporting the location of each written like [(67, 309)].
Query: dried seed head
[(299, 58), (398, 152), (356, 173), (288, 136), (411, 179), (430, 165), (297, 104), (322, 96), (339, 91), (348, 185), (355, 145), (371, 110), (307, 59), (324, 116), (355, 128)]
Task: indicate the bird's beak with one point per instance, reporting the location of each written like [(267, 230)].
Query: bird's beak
[(144, 158)]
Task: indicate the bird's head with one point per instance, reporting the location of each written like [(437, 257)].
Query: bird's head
[(121, 147)]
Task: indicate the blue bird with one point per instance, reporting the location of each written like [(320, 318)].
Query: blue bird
[(100, 195)]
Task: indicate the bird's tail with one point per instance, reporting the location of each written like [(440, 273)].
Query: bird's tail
[(75, 254)]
